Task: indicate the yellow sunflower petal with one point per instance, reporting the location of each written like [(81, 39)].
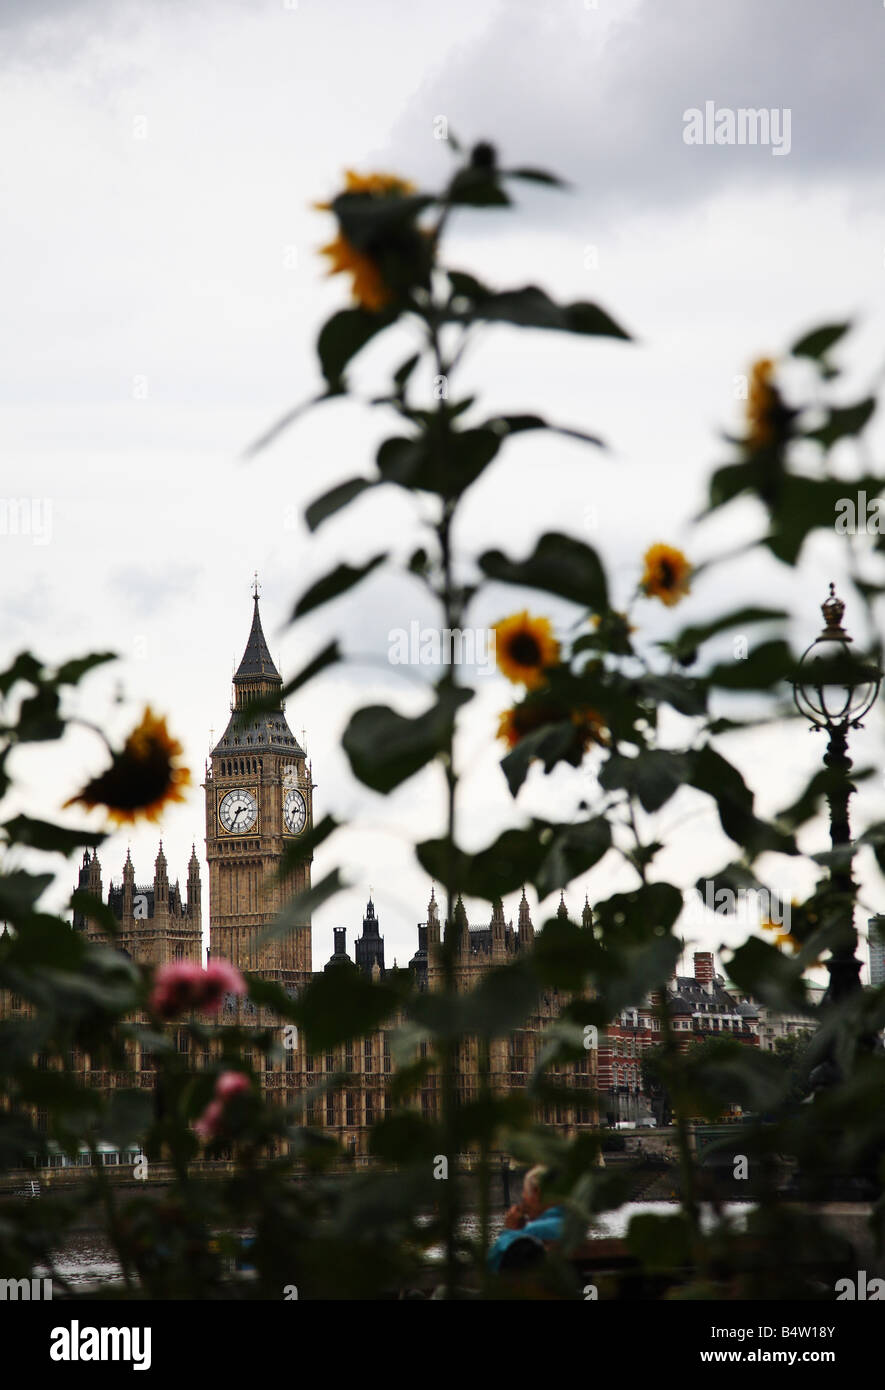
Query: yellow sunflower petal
[(525, 648), (667, 574)]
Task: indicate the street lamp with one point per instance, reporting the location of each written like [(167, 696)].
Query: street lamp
[(834, 690)]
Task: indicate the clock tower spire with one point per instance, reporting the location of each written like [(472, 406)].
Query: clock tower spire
[(259, 800)]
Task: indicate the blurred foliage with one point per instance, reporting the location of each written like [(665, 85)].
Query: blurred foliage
[(602, 706)]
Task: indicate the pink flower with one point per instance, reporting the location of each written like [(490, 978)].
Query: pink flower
[(186, 985), (177, 987), (210, 1123), (221, 978), (230, 1084)]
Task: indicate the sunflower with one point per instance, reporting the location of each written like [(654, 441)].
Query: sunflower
[(786, 939), (377, 185), (515, 723), (368, 284), (525, 648), (763, 404), (667, 574), (142, 778), (368, 287)]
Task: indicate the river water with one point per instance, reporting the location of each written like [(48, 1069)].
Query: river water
[(88, 1263)]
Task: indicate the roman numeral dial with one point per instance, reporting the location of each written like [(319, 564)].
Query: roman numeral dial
[(294, 812), (238, 811)]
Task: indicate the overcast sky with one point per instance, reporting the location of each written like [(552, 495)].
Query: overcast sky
[(161, 297)]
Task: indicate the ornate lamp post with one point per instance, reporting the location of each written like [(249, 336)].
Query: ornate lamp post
[(834, 691)]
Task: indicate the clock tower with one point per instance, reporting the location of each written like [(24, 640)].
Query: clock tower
[(259, 801)]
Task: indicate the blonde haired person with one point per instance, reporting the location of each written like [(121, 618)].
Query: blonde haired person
[(529, 1225)]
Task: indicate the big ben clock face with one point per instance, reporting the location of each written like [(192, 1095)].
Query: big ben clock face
[(294, 812), (238, 811)]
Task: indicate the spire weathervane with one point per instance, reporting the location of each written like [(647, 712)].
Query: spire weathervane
[(256, 587)]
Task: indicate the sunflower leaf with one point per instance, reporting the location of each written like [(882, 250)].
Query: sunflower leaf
[(386, 748), (559, 565), (333, 501), (343, 336), (336, 582)]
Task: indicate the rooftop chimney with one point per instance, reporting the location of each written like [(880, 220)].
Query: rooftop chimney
[(703, 967)]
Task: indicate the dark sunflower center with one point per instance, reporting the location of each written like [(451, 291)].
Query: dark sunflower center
[(667, 574), (525, 649)]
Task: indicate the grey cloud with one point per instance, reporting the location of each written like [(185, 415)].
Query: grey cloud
[(607, 112)]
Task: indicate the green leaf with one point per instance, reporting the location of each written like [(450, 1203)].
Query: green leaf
[(477, 188), (127, 1119), (767, 665), (504, 997), (372, 224), (802, 504), (660, 1242), (268, 994), (42, 939), (406, 1138), (39, 718), (730, 481), (300, 850), (874, 835), (644, 911), (404, 371), (71, 672), (535, 176), (334, 500), (769, 976), (336, 582), (717, 777), (41, 834), (342, 1004), (24, 668), (446, 465), (550, 744), (559, 565), (466, 285), (386, 748), (519, 424), (94, 910), (687, 694), (283, 423), (819, 341), (653, 775), (546, 855), (530, 307), (19, 892), (843, 421), (299, 909), (327, 657), (690, 638), (572, 850), (507, 863), (268, 703), (343, 336), (823, 783)]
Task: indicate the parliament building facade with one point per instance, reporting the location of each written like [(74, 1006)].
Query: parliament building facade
[(258, 802)]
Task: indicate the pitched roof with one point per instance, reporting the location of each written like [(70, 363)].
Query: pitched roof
[(257, 660)]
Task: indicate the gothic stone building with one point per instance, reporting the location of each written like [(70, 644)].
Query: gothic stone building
[(258, 802)]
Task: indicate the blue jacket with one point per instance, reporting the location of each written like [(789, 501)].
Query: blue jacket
[(546, 1227)]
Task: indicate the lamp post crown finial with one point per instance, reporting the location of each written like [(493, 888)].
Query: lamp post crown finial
[(833, 609)]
